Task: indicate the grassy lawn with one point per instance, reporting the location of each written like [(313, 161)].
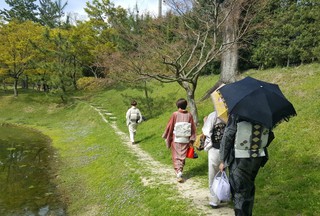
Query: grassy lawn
[(98, 176)]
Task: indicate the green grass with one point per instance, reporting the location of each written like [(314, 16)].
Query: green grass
[(98, 176), (96, 173)]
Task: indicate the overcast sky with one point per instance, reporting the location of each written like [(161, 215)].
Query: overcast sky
[(76, 6)]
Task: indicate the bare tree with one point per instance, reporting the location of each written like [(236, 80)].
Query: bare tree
[(179, 46)]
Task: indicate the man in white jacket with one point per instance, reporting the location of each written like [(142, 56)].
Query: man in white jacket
[(213, 130), (133, 118)]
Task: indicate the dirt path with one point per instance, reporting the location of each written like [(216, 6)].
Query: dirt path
[(162, 174)]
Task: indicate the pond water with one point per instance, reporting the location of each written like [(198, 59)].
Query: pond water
[(27, 173)]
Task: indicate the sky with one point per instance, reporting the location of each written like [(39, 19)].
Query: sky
[(76, 6)]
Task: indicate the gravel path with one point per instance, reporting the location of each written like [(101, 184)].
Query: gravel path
[(163, 174)]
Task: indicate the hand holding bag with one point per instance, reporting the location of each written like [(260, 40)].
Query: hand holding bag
[(221, 186)]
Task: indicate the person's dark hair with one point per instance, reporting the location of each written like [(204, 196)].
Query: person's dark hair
[(182, 103), (133, 103)]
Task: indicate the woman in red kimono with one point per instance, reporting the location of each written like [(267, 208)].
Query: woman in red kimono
[(180, 133)]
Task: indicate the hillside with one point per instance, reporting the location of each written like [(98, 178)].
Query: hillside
[(96, 164)]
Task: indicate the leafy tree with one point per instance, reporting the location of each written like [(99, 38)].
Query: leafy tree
[(309, 21), (104, 17), (81, 52), (21, 10), (104, 13), (17, 53), (50, 13), (60, 63), (64, 55), (288, 36), (103, 38), (47, 13)]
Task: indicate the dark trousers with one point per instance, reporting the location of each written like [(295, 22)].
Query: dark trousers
[(243, 172)]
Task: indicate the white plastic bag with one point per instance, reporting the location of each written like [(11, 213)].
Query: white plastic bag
[(221, 186)]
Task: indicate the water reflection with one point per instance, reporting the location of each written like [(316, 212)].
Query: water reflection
[(27, 174)]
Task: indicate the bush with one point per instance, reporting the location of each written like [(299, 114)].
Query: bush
[(92, 83)]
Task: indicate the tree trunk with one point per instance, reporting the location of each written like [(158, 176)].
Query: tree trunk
[(4, 85), (26, 82), (229, 64), (193, 108), (15, 87), (147, 98), (74, 75), (229, 59), (74, 81), (191, 101)]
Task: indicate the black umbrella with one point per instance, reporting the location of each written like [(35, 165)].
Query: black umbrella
[(257, 101)]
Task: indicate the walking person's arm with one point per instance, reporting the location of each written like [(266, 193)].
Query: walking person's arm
[(128, 117), (168, 133), (140, 117), (227, 143)]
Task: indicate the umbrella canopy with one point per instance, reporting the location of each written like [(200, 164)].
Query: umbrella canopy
[(219, 105), (257, 101)]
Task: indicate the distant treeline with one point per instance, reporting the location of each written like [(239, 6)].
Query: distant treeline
[(44, 48)]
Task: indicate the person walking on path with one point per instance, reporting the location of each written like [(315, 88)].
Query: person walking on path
[(133, 118), (213, 129), (244, 150), (179, 134)]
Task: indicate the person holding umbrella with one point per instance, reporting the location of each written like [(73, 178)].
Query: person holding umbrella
[(244, 150), (255, 108)]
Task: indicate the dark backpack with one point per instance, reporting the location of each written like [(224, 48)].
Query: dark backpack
[(217, 134)]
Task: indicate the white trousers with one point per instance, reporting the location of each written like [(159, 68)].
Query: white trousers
[(132, 130), (213, 165)]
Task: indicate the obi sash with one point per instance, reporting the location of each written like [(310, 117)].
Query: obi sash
[(250, 140)]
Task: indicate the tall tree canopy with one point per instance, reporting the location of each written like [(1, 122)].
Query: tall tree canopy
[(46, 12), (289, 34), (50, 13), (21, 10), (17, 53)]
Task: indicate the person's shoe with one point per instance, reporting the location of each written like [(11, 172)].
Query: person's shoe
[(179, 177), (213, 205), (180, 180)]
